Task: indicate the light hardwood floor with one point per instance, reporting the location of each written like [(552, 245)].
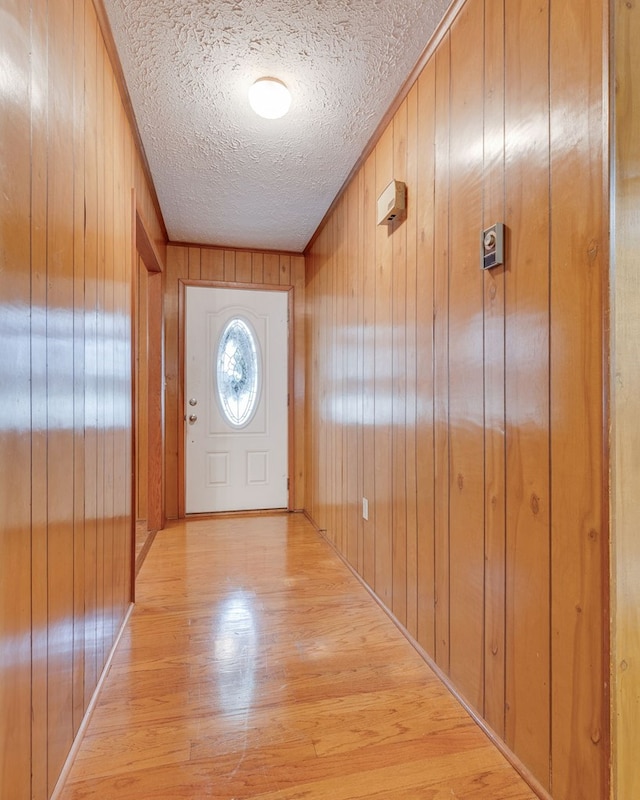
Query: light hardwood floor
[(256, 666)]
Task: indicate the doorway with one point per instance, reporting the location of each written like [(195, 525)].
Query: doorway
[(236, 396), (148, 500)]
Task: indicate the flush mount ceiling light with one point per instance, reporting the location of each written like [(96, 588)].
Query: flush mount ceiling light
[(269, 98)]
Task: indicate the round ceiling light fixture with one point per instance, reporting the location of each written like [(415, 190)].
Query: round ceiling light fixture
[(269, 98)]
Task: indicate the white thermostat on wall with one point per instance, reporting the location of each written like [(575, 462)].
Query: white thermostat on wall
[(392, 203)]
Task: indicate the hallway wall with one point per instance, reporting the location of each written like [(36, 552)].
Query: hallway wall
[(68, 164), (467, 406)]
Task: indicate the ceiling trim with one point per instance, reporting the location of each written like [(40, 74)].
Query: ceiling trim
[(260, 250), (439, 33), (114, 58)]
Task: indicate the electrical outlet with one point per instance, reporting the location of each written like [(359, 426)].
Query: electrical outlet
[(365, 508)]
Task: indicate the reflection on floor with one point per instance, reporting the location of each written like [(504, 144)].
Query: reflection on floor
[(256, 666), (144, 540)]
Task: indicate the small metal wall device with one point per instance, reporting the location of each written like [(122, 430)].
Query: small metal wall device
[(492, 246)]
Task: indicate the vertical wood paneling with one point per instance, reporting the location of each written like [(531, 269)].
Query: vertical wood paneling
[(398, 388), (142, 392), (494, 374), (284, 273), (65, 220), (351, 379), (230, 268), (383, 387), (100, 353), (579, 250), (336, 392), (410, 398), (79, 366), (299, 386), (624, 382), (92, 667), (177, 269), (39, 512), (311, 415), (15, 408), (271, 269), (108, 318), (193, 258), (243, 268), (358, 234), (369, 365), (60, 398), (466, 376), (333, 391), (155, 406), (123, 276), (212, 265), (527, 384), (465, 416), (320, 421), (129, 537), (441, 349), (257, 268), (424, 200)]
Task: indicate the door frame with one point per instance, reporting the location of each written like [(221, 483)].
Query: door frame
[(181, 417), (145, 255)]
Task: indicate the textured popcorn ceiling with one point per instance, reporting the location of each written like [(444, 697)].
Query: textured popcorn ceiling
[(225, 176)]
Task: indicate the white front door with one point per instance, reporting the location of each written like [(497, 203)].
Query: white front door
[(236, 390)]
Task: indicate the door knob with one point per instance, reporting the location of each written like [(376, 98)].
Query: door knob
[(192, 418), (193, 402)]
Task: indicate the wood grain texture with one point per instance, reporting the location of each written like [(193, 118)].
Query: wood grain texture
[(142, 392), (177, 270), (237, 267), (425, 259), (255, 664), (149, 400), (441, 452), (15, 454), (155, 408), (411, 395), (507, 581), (494, 374), (398, 387), (527, 378), (352, 371), (466, 362), (579, 259), (59, 327), (624, 381), (79, 364), (39, 407), (383, 383), (92, 666), (369, 275), (66, 223)]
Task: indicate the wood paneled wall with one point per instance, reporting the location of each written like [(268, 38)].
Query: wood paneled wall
[(625, 405), (467, 406), (235, 267), (68, 165)]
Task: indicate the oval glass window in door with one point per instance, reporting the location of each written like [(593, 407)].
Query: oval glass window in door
[(237, 372)]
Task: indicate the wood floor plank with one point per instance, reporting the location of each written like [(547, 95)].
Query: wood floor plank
[(255, 665)]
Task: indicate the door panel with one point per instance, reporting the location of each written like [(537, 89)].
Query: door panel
[(236, 459)]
